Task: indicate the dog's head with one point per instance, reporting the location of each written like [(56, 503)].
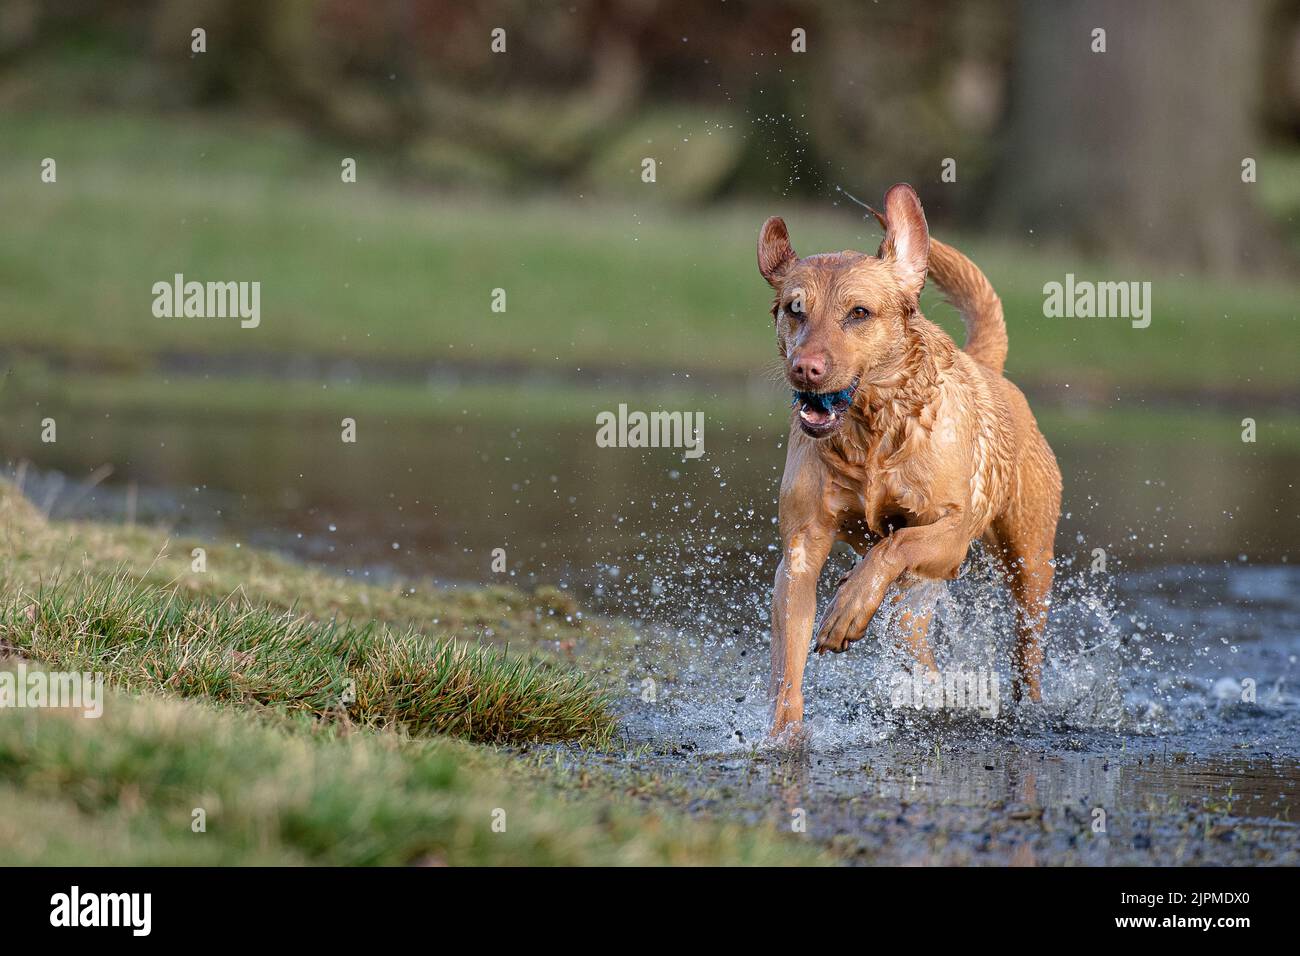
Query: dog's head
[(841, 317)]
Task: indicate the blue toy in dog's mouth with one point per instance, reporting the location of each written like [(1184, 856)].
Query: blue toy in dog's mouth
[(823, 400), (821, 410)]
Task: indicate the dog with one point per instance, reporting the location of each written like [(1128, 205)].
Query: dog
[(901, 444)]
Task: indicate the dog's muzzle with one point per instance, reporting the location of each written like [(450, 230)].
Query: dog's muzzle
[(821, 413)]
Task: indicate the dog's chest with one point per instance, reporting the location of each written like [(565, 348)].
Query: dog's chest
[(871, 497)]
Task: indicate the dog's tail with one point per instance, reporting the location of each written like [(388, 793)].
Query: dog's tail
[(969, 291)]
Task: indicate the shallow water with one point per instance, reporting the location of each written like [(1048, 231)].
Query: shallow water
[(1143, 729), (1149, 659)]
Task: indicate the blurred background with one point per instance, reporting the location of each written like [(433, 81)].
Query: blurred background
[(1173, 157)]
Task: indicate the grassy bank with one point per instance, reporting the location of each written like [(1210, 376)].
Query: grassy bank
[(34, 551), (375, 269), (124, 790), (309, 718), (236, 651)]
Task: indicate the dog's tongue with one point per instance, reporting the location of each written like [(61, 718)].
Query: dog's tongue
[(815, 414)]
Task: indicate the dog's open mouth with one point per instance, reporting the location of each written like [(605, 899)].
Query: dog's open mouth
[(821, 413)]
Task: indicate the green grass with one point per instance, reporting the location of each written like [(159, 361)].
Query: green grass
[(225, 693), (123, 790), (34, 550), (378, 270), (144, 638)]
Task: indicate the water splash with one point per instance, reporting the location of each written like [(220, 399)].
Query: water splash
[(1123, 657)]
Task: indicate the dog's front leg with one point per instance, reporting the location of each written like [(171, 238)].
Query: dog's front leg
[(929, 551), (794, 608)]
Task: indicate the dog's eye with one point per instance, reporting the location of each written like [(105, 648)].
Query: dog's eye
[(858, 313)]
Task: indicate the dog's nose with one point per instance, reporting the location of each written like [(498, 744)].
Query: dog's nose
[(809, 369)]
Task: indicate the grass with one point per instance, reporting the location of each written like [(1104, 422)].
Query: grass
[(378, 270), (231, 703), (144, 638), (124, 790), (34, 550)]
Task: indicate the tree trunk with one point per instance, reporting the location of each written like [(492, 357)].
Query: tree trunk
[(1137, 152)]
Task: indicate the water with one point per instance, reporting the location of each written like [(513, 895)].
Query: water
[(1151, 658)]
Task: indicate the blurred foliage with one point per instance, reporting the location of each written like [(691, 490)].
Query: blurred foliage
[(710, 88), (587, 88)]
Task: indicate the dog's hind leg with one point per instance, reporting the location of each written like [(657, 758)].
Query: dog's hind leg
[(1031, 584), (1023, 536), (1026, 555)]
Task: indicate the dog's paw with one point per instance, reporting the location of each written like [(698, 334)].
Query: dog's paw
[(843, 624), (857, 596), (787, 721), (792, 736)]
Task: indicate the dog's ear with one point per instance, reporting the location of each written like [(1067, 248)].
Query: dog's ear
[(907, 238), (774, 250)]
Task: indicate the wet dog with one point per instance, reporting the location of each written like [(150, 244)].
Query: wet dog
[(902, 444)]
